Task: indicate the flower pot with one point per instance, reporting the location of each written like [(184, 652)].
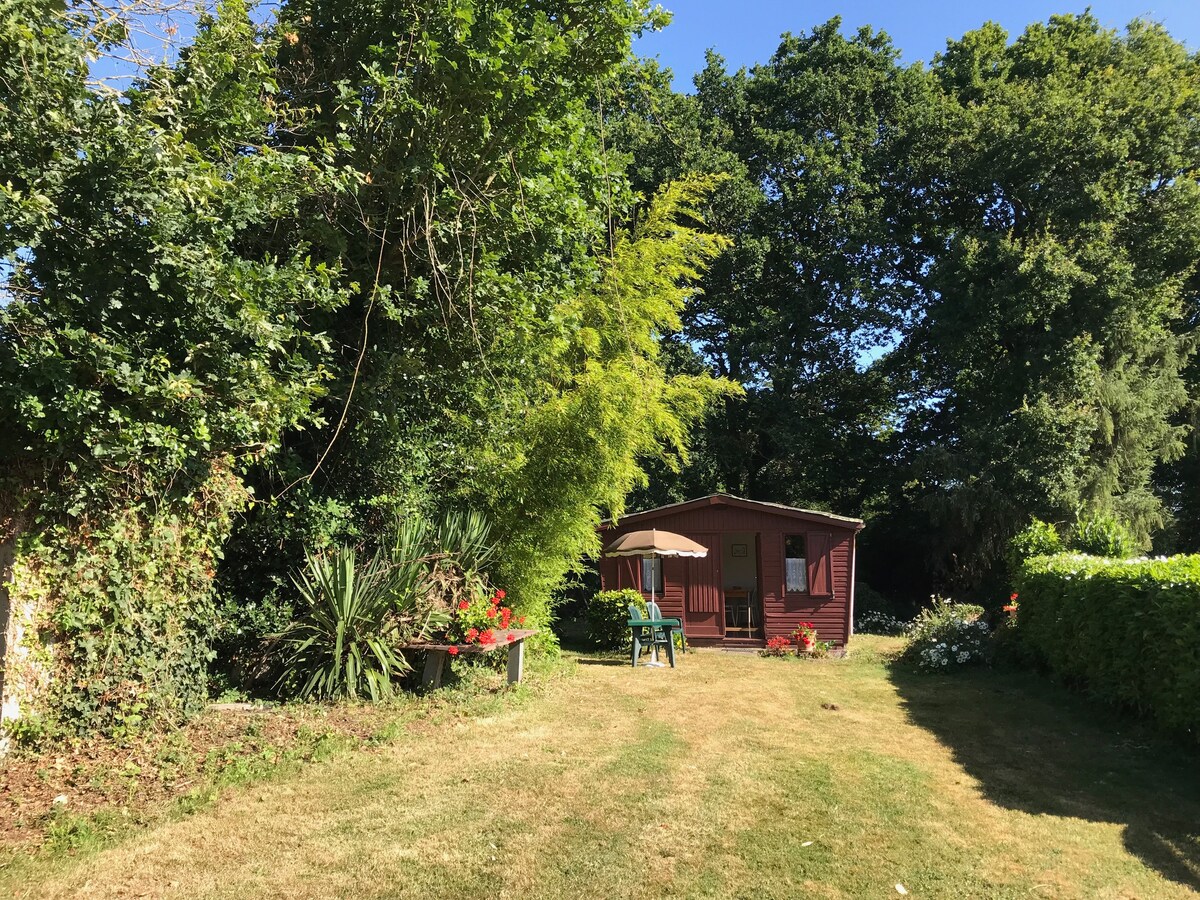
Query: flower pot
[(804, 647)]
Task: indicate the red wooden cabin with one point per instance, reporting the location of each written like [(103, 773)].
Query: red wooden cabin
[(769, 567)]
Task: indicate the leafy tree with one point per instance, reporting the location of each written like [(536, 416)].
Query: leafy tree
[(1057, 179), (151, 345), (500, 348), (817, 277)]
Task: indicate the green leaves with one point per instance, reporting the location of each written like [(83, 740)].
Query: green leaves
[(1126, 631), (167, 331), (1054, 336)]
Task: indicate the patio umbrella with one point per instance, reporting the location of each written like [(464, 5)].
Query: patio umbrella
[(652, 543)]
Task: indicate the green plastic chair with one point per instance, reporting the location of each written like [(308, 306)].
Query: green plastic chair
[(646, 636), (654, 612)]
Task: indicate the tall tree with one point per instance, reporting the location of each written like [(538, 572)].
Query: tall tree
[(1058, 181), (151, 347), (508, 298), (818, 279)]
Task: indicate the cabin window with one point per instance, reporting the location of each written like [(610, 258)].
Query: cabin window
[(652, 574), (795, 560)]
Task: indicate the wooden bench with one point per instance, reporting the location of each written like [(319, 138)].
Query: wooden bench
[(436, 655)]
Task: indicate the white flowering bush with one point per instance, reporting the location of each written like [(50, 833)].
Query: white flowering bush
[(948, 636), (879, 623)]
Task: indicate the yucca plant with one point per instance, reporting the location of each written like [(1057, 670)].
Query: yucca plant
[(351, 621), (465, 537)]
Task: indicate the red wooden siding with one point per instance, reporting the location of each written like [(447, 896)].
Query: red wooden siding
[(674, 575), (693, 589), (703, 606)]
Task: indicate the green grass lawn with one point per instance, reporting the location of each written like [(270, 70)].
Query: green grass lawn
[(731, 776)]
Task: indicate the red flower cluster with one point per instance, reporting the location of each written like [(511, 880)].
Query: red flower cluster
[(453, 651), (1011, 608), (478, 620), (777, 646), (495, 609), (805, 633)]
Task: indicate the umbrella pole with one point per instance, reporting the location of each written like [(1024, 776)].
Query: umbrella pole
[(653, 646)]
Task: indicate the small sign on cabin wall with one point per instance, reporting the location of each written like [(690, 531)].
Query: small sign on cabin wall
[(737, 549)]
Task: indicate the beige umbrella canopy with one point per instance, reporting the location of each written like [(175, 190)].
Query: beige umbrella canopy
[(654, 543)]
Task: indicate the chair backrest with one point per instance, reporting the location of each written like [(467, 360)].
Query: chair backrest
[(652, 610), (634, 612)]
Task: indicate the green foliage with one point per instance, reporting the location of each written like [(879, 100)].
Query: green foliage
[(811, 282), (154, 340), (1054, 338), (939, 324), (124, 605), (511, 297), (1100, 534), (464, 536), (352, 619), (1037, 539), (1127, 631), (198, 350), (605, 405), (607, 615)]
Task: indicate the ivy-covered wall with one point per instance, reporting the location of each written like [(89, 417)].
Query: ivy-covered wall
[(111, 619)]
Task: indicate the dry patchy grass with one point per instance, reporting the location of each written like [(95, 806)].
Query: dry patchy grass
[(730, 776)]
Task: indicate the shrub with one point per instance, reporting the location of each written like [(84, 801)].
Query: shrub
[(948, 636), (820, 650), (1103, 535), (1038, 538), (1127, 631), (607, 615)]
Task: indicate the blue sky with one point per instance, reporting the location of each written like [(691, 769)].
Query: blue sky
[(747, 31)]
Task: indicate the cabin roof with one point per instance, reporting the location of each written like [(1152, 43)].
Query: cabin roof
[(795, 512)]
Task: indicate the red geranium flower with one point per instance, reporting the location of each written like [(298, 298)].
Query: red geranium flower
[(472, 633), (491, 613), (510, 636), (487, 637), (453, 651), (521, 621), (463, 604), (501, 594), (1013, 597)]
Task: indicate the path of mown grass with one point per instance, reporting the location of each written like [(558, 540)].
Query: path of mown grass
[(709, 780)]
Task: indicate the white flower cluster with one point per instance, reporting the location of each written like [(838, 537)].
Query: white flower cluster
[(965, 644), (880, 623)]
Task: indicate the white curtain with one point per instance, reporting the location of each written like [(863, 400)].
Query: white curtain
[(796, 574)]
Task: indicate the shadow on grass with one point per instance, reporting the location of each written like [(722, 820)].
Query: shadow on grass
[(602, 661), (1035, 747)]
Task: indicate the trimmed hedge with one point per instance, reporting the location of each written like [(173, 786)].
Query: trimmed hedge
[(1128, 631)]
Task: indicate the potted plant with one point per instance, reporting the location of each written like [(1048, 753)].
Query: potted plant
[(806, 637)]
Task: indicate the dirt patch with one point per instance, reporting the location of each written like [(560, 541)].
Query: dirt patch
[(138, 780)]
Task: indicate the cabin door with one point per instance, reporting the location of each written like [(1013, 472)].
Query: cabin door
[(702, 608)]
